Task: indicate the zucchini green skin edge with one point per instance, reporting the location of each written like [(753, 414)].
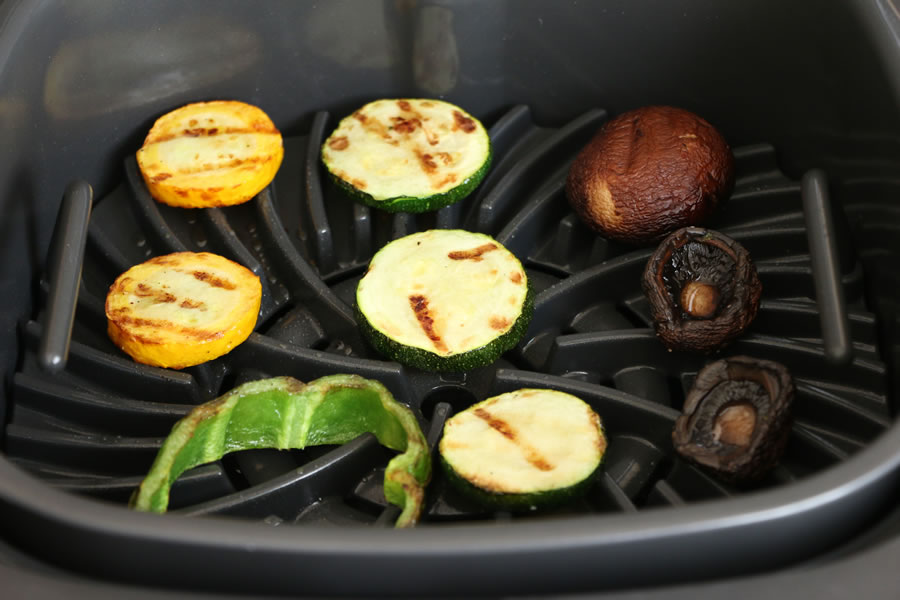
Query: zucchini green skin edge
[(411, 204), (520, 502), (283, 413), (464, 361)]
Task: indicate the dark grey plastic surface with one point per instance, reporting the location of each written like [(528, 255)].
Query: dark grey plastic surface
[(65, 258), (760, 71)]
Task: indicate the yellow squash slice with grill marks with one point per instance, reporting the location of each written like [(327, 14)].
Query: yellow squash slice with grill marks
[(182, 309), (205, 154)]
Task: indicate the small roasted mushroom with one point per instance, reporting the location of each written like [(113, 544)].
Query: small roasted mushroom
[(736, 418), (648, 172), (703, 289)]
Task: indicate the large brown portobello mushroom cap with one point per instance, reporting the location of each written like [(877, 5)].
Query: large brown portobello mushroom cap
[(703, 289), (736, 418), (648, 172)]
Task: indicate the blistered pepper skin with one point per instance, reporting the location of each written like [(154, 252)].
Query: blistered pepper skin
[(284, 413)]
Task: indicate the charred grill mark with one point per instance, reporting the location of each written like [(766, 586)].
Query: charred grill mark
[(498, 323), (376, 127), (407, 126), (460, 121), (419, 305), (515, 277), (213, 131), (188, 303), (212, 280), (249, 162), (339, 143), (450, 178), (473, 254), (145, 291), (160, 177), (404, 105), (359, 184), (201, 132), (359, 116), (125, 321), (445, 157), (427, 162), (504, 428)]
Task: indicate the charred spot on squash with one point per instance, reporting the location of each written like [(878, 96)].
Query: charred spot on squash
[(213, 280)]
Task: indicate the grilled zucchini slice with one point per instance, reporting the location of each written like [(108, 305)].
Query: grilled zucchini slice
[(182, 309), (531, 448), (408, 155), (444, 300), (205, 154)]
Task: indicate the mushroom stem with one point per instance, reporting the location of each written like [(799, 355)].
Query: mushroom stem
[(700, 300), (735, 425)]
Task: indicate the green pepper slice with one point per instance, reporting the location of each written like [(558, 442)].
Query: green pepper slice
[(283, 413)]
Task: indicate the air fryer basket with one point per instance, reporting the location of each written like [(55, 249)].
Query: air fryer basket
[(815, 133)]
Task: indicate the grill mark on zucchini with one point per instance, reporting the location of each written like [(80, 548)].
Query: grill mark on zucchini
[(407, 126), (427, 162), (499, 323), (463, 122), (472, 254), (419, 304), (503, 428), (374, 126)]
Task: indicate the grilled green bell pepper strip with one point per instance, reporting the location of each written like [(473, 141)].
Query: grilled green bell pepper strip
[(283, 413)]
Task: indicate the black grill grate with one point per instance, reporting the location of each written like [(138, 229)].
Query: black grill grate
[(94, 428)]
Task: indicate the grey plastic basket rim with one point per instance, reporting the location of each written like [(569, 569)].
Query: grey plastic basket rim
[(848, 481)]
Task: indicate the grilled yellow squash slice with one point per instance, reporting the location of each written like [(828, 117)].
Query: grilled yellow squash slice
[(182, 309), (210, 154)]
